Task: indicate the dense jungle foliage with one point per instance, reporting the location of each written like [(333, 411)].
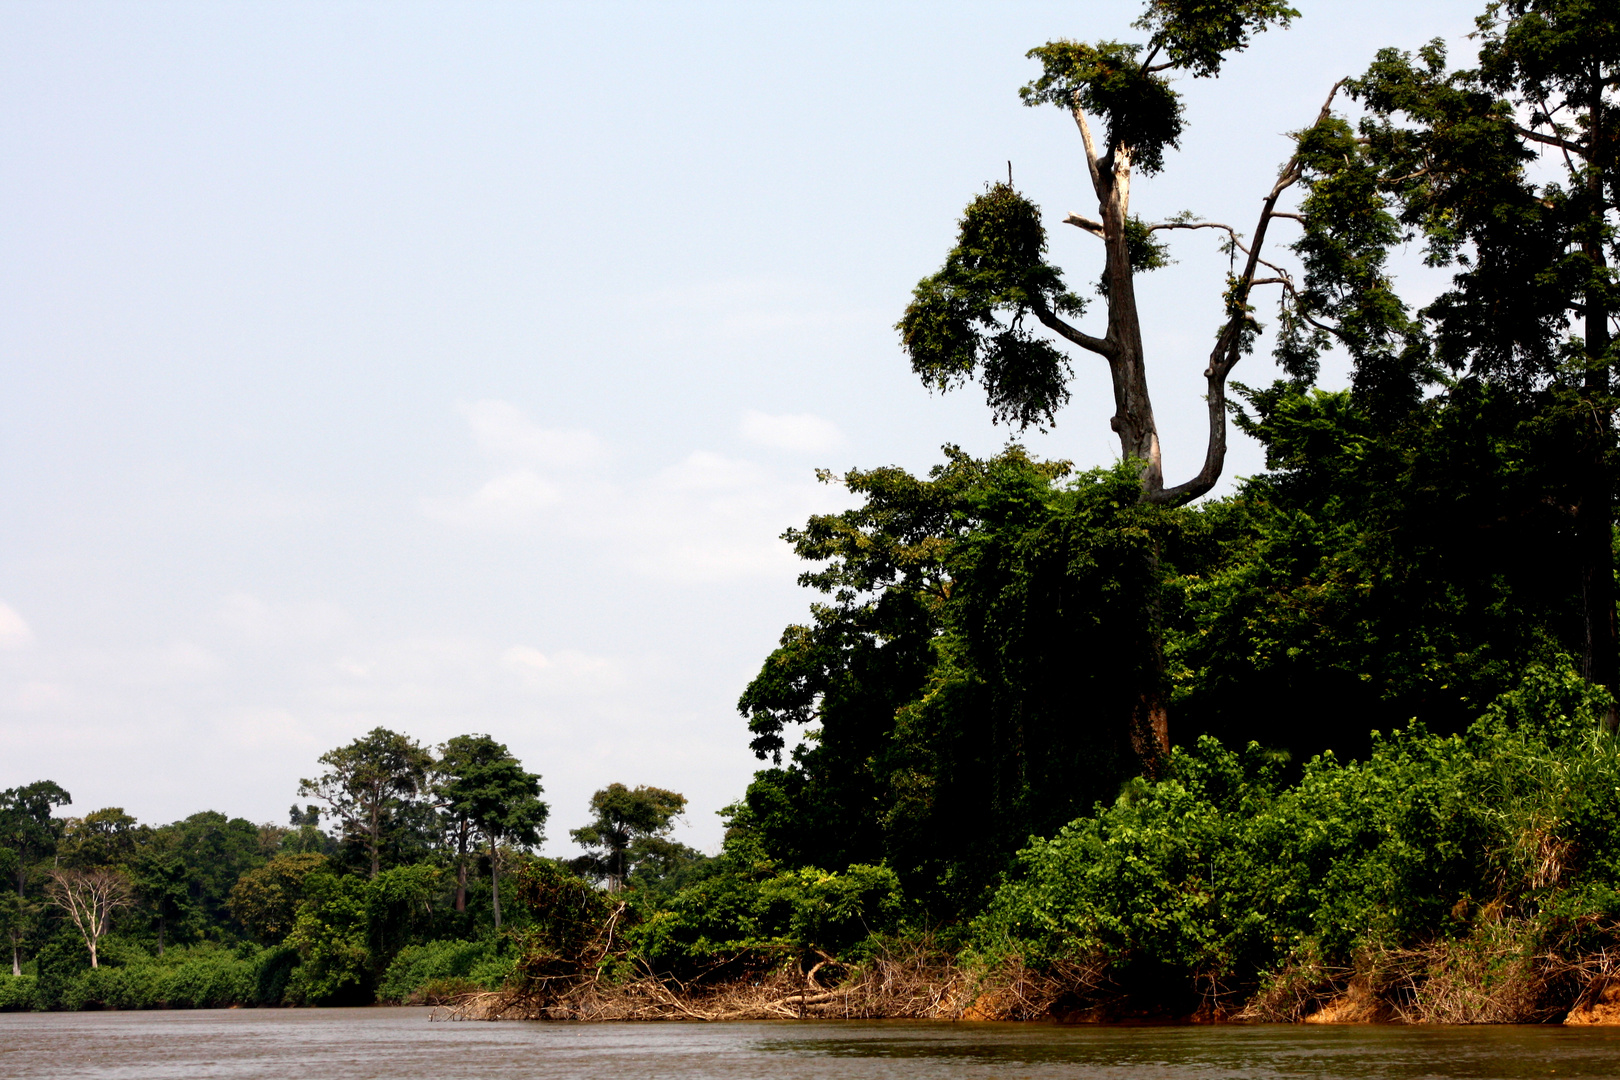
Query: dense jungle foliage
[(951, 763), (1352, 725), (966, 687), (399, 901)]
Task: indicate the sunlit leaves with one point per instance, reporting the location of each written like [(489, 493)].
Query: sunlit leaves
[(1196, 35), (1349, 230), (967, 320), (1455, 153), (1141, 113)]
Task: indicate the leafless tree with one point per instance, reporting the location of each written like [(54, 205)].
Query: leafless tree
[(90, 897)]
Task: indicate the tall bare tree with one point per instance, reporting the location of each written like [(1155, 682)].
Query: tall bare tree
[(970, 320), (967, 321), (90, 897)]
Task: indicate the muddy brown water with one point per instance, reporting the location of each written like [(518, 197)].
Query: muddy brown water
[(401, 1044)]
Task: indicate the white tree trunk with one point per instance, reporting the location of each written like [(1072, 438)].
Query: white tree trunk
[(90, 897)]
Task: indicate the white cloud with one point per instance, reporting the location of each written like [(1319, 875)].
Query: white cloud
[(181, 662), (801, 431), (14, 632), (268, 729), (271, 506), (311, 620), (567, 670), (38, 696), (143, 668), (713, 518), (724, 295), (747, 308), (705, 471), (507, 499), (525, 659), (707, 517), (533, 456), (708, 561), (502, 430)]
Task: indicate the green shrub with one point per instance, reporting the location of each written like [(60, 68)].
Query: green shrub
[(399, 908), (272, 971), (474, 965), (204, 978), (330, 935), (492, 972), (348, 930), (799, 914), (17, 993), (209, 983), (58, 963), (1218, 873)]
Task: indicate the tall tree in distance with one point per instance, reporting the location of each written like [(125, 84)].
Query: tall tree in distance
[(105, 837), (304, 834), (627, 821), (483, 789), (265, 900), (969, 320), (162, 880), (368, 784)]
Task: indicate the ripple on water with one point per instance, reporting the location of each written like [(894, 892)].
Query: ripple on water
[(400, 1044)]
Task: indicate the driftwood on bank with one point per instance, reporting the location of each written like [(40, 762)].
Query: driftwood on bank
[(1505, 968), (575, 965), (918, 984), (1455, 982)]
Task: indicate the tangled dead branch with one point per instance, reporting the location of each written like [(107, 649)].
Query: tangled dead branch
[(915, 981)]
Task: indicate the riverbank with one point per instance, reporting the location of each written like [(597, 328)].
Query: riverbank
[(1464, 879), (919, 985)]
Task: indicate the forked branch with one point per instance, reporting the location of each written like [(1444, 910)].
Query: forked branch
[(1052, 321), (1229, 345)]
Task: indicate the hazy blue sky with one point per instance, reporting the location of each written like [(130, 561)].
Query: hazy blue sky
[(455, 367)]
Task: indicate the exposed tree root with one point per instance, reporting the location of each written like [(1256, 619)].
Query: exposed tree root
[(1493, 975)]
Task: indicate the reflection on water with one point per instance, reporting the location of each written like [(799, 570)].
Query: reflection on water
[(400, 1044)]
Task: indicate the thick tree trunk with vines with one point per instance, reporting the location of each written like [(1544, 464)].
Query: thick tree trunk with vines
[(1594, 512), (495, 880), (1594, 517), (461, 865), (1133, 421)]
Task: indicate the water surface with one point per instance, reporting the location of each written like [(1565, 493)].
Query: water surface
[(401, 1044)]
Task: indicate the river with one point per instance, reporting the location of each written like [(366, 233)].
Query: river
[(401, 1044)]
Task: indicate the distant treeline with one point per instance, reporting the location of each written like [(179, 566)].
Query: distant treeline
[(400, 900)]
